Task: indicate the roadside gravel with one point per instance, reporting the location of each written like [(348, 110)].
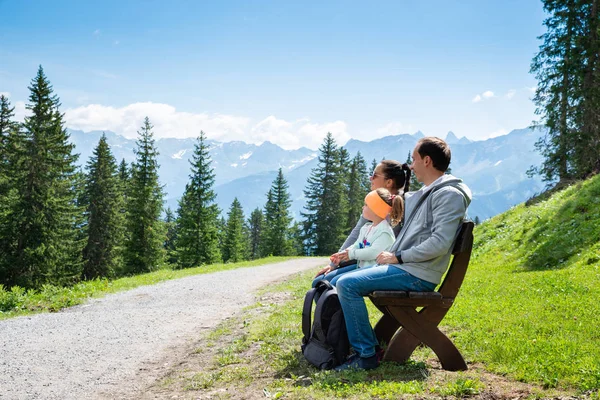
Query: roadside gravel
[(115, 346)]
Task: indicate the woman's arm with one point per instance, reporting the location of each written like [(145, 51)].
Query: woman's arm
[(354, 235)]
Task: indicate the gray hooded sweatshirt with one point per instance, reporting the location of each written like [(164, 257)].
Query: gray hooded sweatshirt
[(425, 242)]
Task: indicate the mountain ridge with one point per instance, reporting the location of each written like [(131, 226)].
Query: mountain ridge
[(495, 169)]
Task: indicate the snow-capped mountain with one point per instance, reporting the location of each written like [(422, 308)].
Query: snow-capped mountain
[(495, 169)]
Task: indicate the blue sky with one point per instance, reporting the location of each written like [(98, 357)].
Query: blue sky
[(282, 71)]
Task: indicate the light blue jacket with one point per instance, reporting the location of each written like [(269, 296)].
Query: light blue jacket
[(426, 239)]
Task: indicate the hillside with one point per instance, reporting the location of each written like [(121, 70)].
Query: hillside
[(529, 305)]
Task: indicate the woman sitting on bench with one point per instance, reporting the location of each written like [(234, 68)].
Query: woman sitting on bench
[(390, 175), (375, 236)]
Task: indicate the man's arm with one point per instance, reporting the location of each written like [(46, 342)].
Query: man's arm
[(448, 209)]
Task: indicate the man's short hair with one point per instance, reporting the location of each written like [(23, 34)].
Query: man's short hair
[(437, 149)]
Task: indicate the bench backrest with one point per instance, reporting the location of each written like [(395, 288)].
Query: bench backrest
[(460, 261)]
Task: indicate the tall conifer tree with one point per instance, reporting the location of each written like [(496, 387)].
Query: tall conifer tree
[(144, 245), (45, 219), (102, 253), (9, 172), (557, 66), (255, 233), (198, 238), (587, 147), (324, 219), (277, 218), (358, 187), (414, 182), (170, 236), (236, 244)]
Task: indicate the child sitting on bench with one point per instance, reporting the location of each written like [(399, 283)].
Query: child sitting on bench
[(374, 237)]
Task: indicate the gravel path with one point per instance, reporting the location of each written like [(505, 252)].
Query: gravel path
[(115, 346)]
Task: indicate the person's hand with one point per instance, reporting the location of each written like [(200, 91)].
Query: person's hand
[(385, 257), (335, 259), (343, 256), (324, 271)]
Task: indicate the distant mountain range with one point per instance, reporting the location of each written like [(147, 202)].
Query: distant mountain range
[(494, 169)]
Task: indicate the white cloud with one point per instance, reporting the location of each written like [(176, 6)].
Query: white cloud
[(499, 132), (20, 111), (168, 122), (511, 93), (96, 32), (488, 94), (5, 94), (391, 128), (299, 133)]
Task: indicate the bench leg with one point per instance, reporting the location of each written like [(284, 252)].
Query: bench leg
[(386, 327), (419, 329), (401, 347)]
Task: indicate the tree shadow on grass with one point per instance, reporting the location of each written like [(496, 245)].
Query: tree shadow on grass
[(305, 374), (571, 230)]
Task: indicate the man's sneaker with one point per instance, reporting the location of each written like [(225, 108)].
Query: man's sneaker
[(357, 362)]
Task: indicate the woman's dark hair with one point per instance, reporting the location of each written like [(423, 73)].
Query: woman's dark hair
[(399, 173)]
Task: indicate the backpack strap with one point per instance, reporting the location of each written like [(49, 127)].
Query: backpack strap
[(317, 327), (307, 308), (424, 198)]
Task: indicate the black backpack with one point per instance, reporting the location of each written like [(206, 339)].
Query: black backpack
[(326, 345)]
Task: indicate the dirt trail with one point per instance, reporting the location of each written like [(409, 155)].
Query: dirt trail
[(115, 346)]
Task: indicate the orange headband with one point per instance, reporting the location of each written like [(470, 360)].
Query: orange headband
[(377, 204)]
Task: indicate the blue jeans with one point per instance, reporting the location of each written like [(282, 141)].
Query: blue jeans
[(334, 275), (351, 288)]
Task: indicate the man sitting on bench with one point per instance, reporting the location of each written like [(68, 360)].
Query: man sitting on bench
[(421, 253)]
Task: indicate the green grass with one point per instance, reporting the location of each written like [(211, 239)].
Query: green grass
[(16, 301), (529, 306), (267, 344), (527, 312)]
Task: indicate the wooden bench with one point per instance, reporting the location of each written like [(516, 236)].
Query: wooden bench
[(404, 328)]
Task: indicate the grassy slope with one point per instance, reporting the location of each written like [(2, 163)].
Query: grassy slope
[(529, 306)]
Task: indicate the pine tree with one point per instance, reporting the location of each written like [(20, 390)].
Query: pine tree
[(45, 219), (102, 253), (198, 236), (7, 128), (374, 164), (221, 233), (414, 183), (171, 237), (143, 248), (276, 240), (235, 248), (6, 123), (557, 67), (255, 232), (587, 146), (358, 187), (324, 219), (9, 132), (297, 239)]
